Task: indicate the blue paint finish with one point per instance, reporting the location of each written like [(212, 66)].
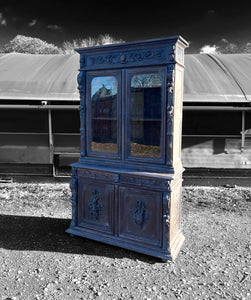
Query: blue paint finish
[(95, 206), (127, 200)]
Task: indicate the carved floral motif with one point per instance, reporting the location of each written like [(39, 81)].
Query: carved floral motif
[(126, 57), (95, 207), (140, 214)]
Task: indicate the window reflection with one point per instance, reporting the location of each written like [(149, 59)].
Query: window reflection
[(150, 80), (145, 115), (104, 114)]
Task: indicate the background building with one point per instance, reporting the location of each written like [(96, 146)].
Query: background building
[(39, 117)]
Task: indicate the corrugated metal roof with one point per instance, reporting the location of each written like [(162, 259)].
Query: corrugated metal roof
[(217, 78), (208, 78), (239, 65), (45, 77)]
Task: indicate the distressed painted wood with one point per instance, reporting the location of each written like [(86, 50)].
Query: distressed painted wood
[(126, 186)]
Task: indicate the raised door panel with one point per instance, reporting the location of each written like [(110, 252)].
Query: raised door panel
[(95, 206), (140, 216)]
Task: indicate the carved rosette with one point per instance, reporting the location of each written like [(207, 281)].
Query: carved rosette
[(74, 192), (140, 214), (170, 111), (95, 206)]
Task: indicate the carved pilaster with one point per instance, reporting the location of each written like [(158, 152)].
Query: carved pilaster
[(74, 196), (170, 112), (166, 219), (81, 83), (82, 110)]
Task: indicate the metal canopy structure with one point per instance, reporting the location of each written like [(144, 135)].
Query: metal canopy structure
[(217, 78), (208, 78), (216, 87), (38, 77)]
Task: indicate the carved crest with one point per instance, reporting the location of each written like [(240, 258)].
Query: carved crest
[(95, 207), (140, 214)]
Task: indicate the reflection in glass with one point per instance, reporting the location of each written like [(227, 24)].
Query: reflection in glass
[(145, 115), (104, 92)]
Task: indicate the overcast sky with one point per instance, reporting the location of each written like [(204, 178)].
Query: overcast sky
[(58, 21)]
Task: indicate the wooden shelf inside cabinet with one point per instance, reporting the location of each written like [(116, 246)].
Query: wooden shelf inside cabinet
[(126, 186)]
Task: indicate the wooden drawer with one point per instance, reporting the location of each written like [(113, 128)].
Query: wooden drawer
[(144, 181), (98, 175)]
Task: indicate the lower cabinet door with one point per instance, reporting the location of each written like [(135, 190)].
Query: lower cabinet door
[(96, 206), (140, 214)]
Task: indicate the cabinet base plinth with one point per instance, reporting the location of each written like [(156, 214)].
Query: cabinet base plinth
[(164, 254)]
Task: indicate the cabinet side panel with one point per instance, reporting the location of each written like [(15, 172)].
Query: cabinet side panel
[(175, 211), (177, 122)]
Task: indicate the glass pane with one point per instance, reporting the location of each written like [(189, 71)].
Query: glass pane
[(104, 92), (145, 109)]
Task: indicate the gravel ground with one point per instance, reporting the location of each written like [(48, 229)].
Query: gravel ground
[(39, 261)]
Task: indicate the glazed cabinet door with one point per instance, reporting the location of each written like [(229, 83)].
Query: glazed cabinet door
[(140, 216), (103, 114), (145, 115), (96, 206)]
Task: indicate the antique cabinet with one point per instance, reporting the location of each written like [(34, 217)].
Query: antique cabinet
[(126, 186)]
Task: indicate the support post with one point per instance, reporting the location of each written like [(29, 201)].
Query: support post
[(242, 130), (51, 145)]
